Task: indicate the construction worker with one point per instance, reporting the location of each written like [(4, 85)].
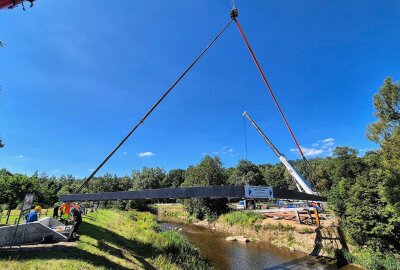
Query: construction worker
[(33, 216), (64, 211), (55, 211), (76, 218)]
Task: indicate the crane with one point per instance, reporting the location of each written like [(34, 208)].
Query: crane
[(13, 3), (301, 183)]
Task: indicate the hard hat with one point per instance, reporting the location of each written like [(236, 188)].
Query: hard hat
[(38, 208)]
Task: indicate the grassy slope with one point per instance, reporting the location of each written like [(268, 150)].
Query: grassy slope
[(117, 240)]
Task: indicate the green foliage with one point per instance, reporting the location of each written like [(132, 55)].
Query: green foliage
[(209, 172), (13, 188), (387, 110), (174, 178), (181, 252), (279, 227), (1, 143), (148, 178), (373, 260), (338, 196), (347, 163), (241, 218), (274, 175), (368, 221), (391, 164), (246, 172)]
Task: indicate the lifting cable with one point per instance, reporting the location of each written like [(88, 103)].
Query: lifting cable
[(234, 14), (152, 108), (245, 136)]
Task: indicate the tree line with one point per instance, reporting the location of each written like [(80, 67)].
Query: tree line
[(363, 191)]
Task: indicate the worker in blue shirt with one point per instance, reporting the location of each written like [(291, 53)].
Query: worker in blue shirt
[(33, 216)]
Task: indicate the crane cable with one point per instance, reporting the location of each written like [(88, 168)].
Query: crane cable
[(266, 81), (234, 14), (152, 108), (245, 136)]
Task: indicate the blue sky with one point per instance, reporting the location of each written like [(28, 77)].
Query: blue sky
[(76, 76)]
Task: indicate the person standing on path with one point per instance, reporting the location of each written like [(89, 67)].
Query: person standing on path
[(55, 211), (76, 218)]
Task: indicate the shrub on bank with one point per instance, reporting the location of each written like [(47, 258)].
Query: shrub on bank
[(178, 249), (241, 218), (374, 260)]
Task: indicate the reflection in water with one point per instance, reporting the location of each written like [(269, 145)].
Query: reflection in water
[(225, 255)]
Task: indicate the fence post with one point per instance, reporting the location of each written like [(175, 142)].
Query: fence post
[(8, 215), (316, 216)]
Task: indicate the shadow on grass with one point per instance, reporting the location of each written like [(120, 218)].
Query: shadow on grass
[(304, 263), (108, 242), (336, 240)]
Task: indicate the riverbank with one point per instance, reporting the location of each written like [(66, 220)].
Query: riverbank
[(225, 255), (307, 239), (112, 240), (282, 233)]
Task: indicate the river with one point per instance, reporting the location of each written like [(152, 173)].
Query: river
[(224, 255)]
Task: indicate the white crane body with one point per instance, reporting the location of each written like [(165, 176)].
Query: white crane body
[(301, 183)]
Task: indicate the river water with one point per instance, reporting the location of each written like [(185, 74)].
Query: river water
[(224, 255)]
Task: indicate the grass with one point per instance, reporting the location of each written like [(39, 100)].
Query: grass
[(243, 219), (174, 211), (279, 227), (374, 260), (116, 240)]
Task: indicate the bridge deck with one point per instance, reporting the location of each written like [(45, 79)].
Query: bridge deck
[(250, 192)]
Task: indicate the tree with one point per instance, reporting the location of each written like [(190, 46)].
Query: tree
[(174, 178), (347, 164), (13, 188), (391, 164), (1, 143), (338, 197), (368, 220), (148, 178), (372, 215), (246, 173), (209, 172), (387, 110)]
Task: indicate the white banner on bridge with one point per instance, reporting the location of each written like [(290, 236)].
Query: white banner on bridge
[(258, 192)]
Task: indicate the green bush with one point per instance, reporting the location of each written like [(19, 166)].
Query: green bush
[(242, 218), (375, 260), (179, 250), (279, 227)]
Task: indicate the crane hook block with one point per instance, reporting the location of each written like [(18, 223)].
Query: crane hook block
[(234, 13)]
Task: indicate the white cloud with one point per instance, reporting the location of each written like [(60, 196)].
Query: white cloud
[(224, 150), (328, 142), (91, 170), (21, 156), (146, 154), (125, 153), (367, 149), (56, 170), (324, 146)]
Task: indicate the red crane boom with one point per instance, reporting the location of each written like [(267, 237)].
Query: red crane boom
[(12, 3)]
